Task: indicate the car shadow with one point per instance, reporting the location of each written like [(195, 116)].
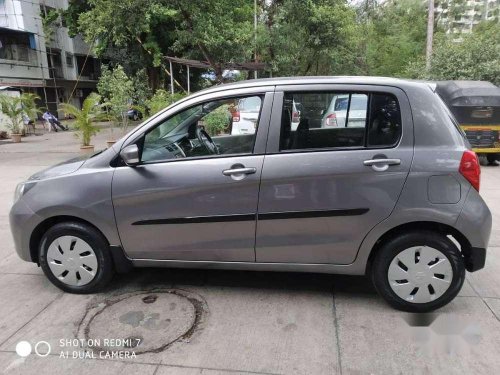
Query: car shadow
[(152, 278)]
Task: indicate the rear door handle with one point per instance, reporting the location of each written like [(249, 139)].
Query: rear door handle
[(381, 165), (382, 161)]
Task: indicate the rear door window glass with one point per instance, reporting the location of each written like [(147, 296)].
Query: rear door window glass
[(318, 120)]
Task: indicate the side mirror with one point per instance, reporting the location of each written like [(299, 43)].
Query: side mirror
[(130, 155)]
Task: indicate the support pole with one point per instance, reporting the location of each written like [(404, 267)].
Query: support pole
[(255, 34), (171, 78), (430, 34), (188, 80)]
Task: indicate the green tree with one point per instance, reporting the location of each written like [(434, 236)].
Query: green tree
[(216, 31), (475, 57), (390, 35), (117, 90), (308, 37)]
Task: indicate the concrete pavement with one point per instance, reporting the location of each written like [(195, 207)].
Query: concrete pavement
[(228, 322)]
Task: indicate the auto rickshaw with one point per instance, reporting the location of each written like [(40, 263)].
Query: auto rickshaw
[(476, 106)]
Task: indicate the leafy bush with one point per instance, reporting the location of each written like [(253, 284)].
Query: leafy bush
[(217, 121), (160, 100), (476, 57)]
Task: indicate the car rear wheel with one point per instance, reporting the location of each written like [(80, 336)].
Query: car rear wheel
[(418, 271), (75, 257), (492, 158)]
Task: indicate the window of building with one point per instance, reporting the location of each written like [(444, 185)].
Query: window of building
[(339, 120), (20, 46), (69, 59)]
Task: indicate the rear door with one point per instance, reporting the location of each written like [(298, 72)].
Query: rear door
[(322, 190)]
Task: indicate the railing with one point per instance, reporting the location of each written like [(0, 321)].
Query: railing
[(56, 72), (19, 52)]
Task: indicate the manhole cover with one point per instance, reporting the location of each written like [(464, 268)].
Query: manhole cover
[(142, 321)]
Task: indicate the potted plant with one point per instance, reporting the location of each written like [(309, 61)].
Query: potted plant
[(11, 106), (84, 120)]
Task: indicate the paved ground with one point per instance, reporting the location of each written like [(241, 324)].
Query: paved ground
[(221, 322)]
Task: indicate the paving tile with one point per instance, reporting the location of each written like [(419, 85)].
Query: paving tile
[(261, 330), (494, 305), (11, 364), (376, 339), (170, 370), (22, 298), (486, 282), (59, 321)]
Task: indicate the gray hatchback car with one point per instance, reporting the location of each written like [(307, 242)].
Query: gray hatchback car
[(394, 197)]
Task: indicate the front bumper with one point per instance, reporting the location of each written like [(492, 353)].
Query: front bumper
[(22, 222)]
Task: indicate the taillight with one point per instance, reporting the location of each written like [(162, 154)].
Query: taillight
[(470, 168), (331, 119), (236, 116)]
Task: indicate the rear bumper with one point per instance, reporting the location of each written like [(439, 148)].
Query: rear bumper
[(474, 258), (475, 223)]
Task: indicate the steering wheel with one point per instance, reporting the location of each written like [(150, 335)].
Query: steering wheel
[(206, 140)]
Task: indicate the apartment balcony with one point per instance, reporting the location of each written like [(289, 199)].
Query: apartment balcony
[(19, 55)]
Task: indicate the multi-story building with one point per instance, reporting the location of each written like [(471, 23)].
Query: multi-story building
[(58, 68), (460, 16)]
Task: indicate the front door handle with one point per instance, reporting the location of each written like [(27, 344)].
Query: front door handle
[(238, 172), (381, 165), (230, 172)]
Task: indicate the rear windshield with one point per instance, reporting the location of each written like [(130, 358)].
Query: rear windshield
[(452, 118), (450, 115)]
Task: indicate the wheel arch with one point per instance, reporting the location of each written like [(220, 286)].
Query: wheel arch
[(458, 238), (41, 229)]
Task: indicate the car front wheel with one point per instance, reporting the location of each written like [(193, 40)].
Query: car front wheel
[(75, 257), (418, 271)]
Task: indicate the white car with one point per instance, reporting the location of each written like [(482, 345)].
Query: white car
[(335, 115), (246, 116)]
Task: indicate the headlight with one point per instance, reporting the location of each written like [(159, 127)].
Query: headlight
[(21, 189)]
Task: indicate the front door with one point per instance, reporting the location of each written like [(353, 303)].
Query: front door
[(326, 184), (194, 195)]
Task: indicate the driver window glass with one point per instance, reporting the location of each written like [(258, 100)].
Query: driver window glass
[(220, 127)]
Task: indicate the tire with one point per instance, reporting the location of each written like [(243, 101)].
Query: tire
[(492, 158), (80, 251), (424, 245)]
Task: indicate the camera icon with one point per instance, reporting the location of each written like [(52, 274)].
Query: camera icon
[(42, 348)]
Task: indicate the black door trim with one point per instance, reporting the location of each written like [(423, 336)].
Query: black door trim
[(250, 217), (312, 214)]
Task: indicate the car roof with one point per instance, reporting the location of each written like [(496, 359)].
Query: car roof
[(358, 80)]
